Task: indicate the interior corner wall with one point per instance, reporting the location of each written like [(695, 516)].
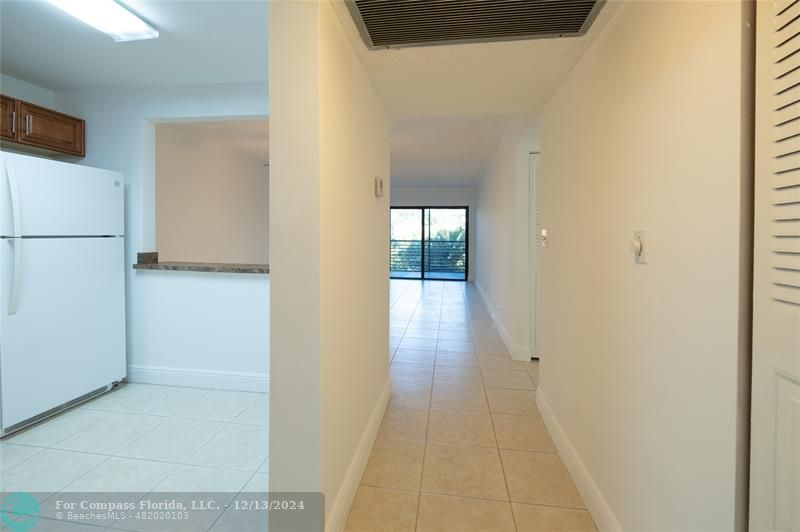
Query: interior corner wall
[(212, 201), (640, 362), (456, 196), (329, 250), (22, 90), (502, 234)]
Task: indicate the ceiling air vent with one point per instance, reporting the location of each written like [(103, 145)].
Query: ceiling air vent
[(401, 23)]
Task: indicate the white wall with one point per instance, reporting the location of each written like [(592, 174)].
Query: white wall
[(120, 135), (442, 197), (640, 362), (212, 202), (218, 334), (502, 221), (22, 90), (329, 370)]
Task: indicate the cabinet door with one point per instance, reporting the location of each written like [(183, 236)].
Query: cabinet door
[(8, 108), (49, 129)]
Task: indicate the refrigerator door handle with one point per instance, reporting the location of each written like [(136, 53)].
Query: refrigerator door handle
[(14, 193), (13, 296)]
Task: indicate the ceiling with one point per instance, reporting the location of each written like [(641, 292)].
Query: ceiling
[(511, 77), (250, 137), (444, 151), (201, 42), (452, 103)]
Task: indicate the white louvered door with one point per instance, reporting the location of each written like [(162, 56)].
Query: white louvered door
[(775, 428)]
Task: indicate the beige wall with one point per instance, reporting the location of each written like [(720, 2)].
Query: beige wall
[(330, 288), (354, 253), (640, 362), (211, 200), (295, 402)]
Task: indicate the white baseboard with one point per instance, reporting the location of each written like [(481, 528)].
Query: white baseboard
[(193, 378), (597, 505), (337, 517), (518, 352)]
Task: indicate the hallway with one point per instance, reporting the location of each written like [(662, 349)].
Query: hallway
[(462, 445)]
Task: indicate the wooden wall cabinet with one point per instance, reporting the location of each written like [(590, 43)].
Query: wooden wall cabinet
[(41, 128), (8, 118)]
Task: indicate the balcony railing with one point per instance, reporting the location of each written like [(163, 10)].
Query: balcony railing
[(441, 256)]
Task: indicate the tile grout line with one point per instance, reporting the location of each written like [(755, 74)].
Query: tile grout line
[(497, 443), (234, 498), (427, 429), (150, 460), (473, 498)]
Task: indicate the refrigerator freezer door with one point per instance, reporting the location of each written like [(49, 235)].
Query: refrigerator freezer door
[(40, 197), (67, 336)]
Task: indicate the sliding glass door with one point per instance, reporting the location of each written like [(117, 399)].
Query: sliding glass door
[(430, 243)]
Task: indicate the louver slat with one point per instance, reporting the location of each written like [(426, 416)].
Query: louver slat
[(786, 212), (398, 23), (787, 162), (787, 262), (786, 295), (786, 196), (784, 147), (789, 246), (787, 15), (786, 229)]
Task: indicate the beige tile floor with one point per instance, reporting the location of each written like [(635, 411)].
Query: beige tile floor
[(462, 445)]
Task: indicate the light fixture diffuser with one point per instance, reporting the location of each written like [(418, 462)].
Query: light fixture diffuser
[(110, 17)]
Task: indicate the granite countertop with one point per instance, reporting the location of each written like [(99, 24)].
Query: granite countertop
[(210, 267), (149, 261)]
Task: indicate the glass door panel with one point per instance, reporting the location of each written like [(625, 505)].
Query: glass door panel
[(406, 244), (445, 247)]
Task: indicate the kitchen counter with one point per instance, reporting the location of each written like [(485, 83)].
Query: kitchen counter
[(209, 267), (149, 261)]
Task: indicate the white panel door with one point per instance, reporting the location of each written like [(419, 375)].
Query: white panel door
[(40, 197), (775, 427), (534, 242), (65, 336)]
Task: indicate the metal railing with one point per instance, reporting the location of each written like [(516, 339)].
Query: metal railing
[(441, 256)]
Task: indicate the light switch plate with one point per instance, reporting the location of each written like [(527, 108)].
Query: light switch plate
[(378, 187)]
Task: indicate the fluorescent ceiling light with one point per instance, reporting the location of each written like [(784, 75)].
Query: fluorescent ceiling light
[(110, 17)]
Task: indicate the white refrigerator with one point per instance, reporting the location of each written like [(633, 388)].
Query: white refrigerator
[(62, 287)]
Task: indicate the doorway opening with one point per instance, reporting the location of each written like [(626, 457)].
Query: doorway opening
[(430, 243)]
